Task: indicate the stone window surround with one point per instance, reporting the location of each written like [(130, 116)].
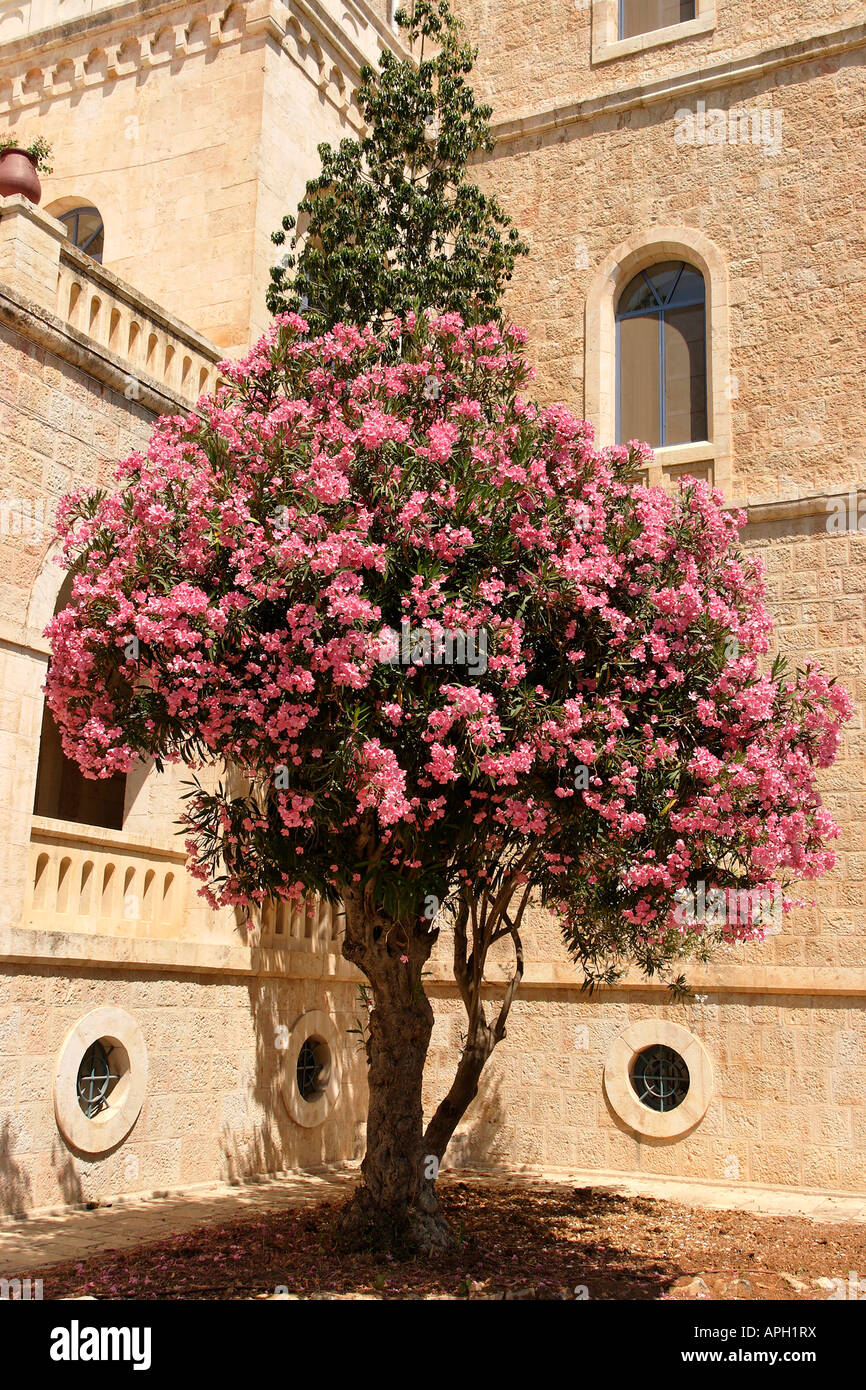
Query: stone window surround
[(315, 1023), (657, 1124), (105, 1131), (606, 43), (641, 250)]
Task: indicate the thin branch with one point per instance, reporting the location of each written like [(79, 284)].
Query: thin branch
[(513, 984)]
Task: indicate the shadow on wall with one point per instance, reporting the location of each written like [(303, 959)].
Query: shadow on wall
[(272, 1141), (67, 1177), (15, 1188), (478, 1141)]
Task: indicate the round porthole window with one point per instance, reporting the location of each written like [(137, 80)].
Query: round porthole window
[(103, 1065), (100, 1080), (313, 1071), (314, 1065), (660, 1078)]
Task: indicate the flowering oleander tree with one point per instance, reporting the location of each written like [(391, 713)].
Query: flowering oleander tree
[(459, 657)]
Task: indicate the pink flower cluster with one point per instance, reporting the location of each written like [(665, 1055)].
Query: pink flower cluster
[(230, 597)]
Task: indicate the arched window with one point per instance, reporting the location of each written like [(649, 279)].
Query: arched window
[(62, 790), (85, 230), (661, 356)]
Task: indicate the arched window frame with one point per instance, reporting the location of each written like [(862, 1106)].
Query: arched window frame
[(711, 458), (70, 220)]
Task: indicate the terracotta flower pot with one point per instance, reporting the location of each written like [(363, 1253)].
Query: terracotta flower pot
[(18, 175)]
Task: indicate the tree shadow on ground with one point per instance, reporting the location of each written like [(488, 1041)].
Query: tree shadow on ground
[(512, 1240)]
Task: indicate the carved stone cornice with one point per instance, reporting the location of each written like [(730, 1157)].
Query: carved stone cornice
[(138, 35)]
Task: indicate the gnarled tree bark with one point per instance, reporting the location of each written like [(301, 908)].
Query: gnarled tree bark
[(395, 1206)]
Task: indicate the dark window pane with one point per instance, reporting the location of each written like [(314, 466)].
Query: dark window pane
[(690, 287), (64, 793), (665, 276), (642, 16), (90, 235), (685, 376), (639, 379), (84, 229), (636, 295), (62, 790)]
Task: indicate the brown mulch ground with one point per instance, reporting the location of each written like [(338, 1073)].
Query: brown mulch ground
[(514, 1241)]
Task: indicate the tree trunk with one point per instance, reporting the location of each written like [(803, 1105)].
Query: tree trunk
[(395, 1207)]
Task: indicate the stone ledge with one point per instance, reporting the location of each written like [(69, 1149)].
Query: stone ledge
[(797, 508), (24, 946), (45, 827), (138, 302), (84, 353), (842, 981), (750, 67)]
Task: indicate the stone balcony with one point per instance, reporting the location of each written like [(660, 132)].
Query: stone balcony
[(96, 883), (107, 326)]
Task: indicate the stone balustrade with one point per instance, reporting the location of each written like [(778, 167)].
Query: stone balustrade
[(86, 880), (143, 351), (312, 925)]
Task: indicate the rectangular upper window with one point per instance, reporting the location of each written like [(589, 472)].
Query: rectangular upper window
[(621, 28), (643, 16)]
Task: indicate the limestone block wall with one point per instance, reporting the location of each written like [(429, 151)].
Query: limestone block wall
[(153, 119), (62, 428), (783, 1022), (788, 220), (214, 1107), (527, 64), (589, 163), (99, 920), (86, 363), (787, 1105)]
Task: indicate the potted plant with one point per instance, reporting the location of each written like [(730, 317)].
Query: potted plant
[(21, 166)]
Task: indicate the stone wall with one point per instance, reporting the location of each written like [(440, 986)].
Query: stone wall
[(790, 226), (788, 1106), (588, 163), (95, 919), (214, 1107), (527, 63)]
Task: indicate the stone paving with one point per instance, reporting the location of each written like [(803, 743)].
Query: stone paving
[(49, 1236)]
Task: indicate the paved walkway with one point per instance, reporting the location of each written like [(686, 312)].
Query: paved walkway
[(47, 1237)]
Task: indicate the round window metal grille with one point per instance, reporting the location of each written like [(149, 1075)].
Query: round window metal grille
[(660, 1078), (312, 1063), (95, 1079)]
